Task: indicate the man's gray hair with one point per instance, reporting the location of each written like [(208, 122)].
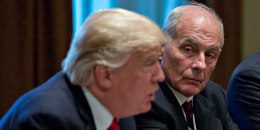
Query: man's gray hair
[(174, 18)]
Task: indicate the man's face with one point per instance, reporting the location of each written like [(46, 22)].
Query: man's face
[(137, 81), (192, 56)]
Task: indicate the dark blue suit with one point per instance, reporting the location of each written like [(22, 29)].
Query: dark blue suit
[(55, 105), (210, 110), (244, 93)]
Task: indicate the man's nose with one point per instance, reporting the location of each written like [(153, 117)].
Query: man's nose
[(158, 73), (199, 62)]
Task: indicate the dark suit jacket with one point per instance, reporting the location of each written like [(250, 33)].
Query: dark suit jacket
[(210, 110), (244, 94), (55, 105)]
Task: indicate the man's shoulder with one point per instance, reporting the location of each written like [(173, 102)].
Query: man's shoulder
[(52, 100), (249, 66), (212, 88), (214, 93), (51, 97), (55, 90)]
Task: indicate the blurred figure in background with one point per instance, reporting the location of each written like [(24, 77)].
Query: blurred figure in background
[(187, 99), (244, 93), (111, 72)]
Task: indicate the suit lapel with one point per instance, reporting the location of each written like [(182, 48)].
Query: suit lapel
[(179, 122), (82, 105), (204, 114), (127, 124)]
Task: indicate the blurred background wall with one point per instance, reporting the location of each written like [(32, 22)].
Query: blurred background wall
[(250, 27), (35, 36)]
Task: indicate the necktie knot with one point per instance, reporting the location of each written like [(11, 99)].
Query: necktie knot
[(187, 106), (114, 125)]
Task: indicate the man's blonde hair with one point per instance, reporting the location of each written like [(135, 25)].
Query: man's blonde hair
[(108, 37)]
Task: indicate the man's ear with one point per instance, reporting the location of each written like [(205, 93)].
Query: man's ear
[(102, 74)]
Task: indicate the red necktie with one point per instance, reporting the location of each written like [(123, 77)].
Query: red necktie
[(187, 106), (114, 125)]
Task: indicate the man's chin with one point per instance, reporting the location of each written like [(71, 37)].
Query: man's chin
[(144, 109), (147, 107), (191, 91)]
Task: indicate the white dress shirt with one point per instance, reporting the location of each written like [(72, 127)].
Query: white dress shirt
[(102, 117)]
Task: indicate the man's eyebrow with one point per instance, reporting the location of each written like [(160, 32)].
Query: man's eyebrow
[(189, 40), (217, 48), (195, 43), (153, 54)]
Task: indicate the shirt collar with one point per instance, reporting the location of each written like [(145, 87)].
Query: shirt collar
[(102, 117), (180, 97)]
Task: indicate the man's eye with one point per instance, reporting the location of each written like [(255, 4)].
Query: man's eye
[(210, 55), (188, 49), (150, 62)]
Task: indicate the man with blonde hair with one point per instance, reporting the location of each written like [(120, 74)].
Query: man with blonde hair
[(111, 72)]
